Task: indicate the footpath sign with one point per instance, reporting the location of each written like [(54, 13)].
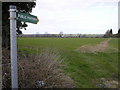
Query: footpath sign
[(27, 18), (14, 16)]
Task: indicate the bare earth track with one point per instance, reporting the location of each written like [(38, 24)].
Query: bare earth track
[(102, 47)]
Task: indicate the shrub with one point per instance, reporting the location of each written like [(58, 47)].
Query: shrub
[(41, 70)]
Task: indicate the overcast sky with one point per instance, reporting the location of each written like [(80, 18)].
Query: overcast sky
[(74, 16)]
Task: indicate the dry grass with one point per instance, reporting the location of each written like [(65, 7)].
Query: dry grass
[(107, 83), (42, 67)]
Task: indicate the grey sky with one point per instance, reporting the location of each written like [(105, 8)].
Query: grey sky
[(75, 16)]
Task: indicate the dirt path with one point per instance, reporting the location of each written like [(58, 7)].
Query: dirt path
[(102, 47)]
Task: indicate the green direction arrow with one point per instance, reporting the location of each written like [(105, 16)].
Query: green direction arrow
[(27, 18)]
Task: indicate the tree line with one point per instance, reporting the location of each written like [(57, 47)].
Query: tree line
[(109, 33)]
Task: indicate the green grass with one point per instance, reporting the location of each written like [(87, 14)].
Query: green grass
[(58, 43), (114, 42), (83, 68)]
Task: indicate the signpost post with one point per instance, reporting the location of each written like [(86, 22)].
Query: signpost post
[(14, 68), (14, 15)]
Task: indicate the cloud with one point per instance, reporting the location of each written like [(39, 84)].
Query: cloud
[(75, 16)]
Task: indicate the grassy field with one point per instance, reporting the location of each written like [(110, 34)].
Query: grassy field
[(88, 70)]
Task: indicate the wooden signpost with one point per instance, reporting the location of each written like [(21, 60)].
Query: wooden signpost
[(14, 15)]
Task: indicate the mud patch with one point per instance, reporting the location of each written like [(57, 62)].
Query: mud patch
[(102, 47)]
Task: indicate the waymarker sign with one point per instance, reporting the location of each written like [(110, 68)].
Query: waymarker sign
[(14, 16), (27, 17)]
